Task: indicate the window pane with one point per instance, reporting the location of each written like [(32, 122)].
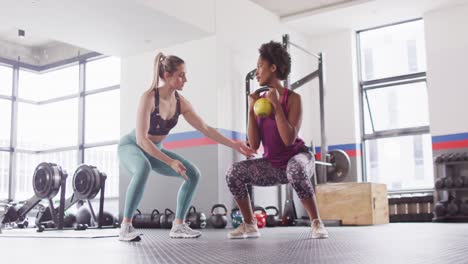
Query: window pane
[(6, 80), (102, 73), (392, 51), (400, 162), (102, 123), (26, 163), (399, 106), (5, 117), (4, 172), (105, 159), (48, 126), (56, 83)]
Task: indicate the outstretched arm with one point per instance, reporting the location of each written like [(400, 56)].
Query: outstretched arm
[(195, 121)]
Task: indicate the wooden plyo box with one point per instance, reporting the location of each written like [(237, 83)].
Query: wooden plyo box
[(353, 203)]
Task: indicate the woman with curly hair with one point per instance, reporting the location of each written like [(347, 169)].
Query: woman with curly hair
[(286, 159)]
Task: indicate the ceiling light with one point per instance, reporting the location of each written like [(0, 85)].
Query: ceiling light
[(21, 33)]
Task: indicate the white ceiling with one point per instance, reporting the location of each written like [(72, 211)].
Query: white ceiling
[(125, 27), (291, 7), (359, 15), (31, 39), (113, 27)]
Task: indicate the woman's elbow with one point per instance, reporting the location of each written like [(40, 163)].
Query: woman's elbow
[(140, 141)]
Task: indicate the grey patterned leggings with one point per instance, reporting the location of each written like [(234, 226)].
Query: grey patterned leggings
[(259, 172)]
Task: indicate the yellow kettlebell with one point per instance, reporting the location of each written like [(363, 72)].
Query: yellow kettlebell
[(262, 107)]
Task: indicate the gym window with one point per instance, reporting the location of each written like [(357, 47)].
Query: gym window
[(68, 115), (394, 109)]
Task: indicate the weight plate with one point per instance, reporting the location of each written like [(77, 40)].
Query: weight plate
[(341, 165)]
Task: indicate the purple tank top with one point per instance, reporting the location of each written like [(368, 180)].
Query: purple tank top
[(274, 149)]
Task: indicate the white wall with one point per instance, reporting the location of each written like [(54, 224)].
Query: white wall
[(341, 91), (447, 58)]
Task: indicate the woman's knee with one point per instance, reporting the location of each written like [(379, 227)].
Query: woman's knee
[(234, 171), (193, 173), (300, 168)]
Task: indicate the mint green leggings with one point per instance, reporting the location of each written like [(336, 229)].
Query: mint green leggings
[(140, 164)]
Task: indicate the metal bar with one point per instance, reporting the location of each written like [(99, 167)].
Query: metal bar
[(52, 150), (398, 132), (81, 112), (27, 151), (370, 112), (393, 84), (324, 146), (328, 164), (304, 80), (428, 191), (66, 97), (101, 90), (67, 62), (394, 79), (361, 108), (388, 25), (6, 97), (27, 101), (58, 99), (13, 134), (8, 149), (101, 144), (54, 65), (288, 193), (304, 50)]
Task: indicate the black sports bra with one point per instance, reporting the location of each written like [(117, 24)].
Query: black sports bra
[(159, 126)]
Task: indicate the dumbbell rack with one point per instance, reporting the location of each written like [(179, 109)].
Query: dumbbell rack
[(447, 167)]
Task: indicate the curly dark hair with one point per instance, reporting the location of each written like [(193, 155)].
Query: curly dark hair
[(275, 53)]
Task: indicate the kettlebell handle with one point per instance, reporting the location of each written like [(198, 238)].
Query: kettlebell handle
[(273, 208), (261, 90), (234, 210), (219, 206), (154, 214), (192, 208), (259, 208), (138, 211), (168, 210)]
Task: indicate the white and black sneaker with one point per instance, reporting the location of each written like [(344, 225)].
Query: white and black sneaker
[(128, 233), (183, 231)]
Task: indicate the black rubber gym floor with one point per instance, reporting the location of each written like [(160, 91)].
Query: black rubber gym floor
[(393, 243)]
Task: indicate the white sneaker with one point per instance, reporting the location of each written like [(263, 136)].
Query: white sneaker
[(183, 231), (318, 229), (128, 233), (245, 231)]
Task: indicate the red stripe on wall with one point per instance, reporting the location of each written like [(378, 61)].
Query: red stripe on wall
[(450, 145), (189, 143)]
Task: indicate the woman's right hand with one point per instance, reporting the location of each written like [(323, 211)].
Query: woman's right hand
[(252, 98), (179, 168)]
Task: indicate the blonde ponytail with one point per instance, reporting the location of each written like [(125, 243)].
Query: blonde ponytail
[(157, 66)]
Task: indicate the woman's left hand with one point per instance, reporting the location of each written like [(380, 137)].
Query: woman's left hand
[(273, 97), (243, 149)]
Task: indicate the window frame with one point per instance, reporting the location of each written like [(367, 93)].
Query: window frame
[(383, 83)]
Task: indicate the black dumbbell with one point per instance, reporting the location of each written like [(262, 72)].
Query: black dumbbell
[(439, 183), (448, 182), (453, 207), (440, 209)]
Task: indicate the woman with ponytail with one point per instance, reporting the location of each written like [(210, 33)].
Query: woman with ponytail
[(141, 151)]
